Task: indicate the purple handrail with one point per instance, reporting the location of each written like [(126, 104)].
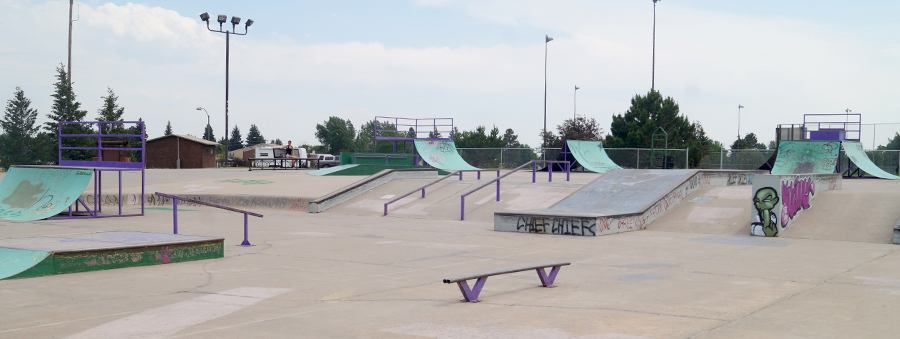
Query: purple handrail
[(533, 163), (416, 190), (175, 212)]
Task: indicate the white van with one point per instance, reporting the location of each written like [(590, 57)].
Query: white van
[(269, 152)]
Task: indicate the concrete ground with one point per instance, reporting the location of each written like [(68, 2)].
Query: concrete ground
[(694, 273)]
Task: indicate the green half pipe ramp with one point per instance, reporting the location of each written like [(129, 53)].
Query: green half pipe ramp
[(442, 154), (857, 154), (591, 156), (33, 193)]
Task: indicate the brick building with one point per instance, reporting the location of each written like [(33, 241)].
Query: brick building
[(165, 151)]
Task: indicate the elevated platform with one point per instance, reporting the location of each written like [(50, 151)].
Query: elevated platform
[(72, 253), (620, 201)]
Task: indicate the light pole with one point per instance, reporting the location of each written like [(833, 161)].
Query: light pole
[(575, 105), (234, 22), (69, 65), (547, 40), (739, 121), (208, 125), (653, 72)]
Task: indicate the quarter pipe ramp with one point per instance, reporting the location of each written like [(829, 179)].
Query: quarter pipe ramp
[(30, 193), (806, 157), (442, 154)]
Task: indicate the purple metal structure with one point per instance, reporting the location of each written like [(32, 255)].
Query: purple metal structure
[(175, 199), (401, 132), (830, 126), (471, 294), (100, 165), (533, 164)]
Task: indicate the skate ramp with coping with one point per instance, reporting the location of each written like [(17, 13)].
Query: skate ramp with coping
[(804, 157), (29, 193), (857, 154), (591, 156), (442, 154)]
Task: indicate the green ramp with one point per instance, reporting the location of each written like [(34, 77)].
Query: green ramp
[(442, 154), (800, 157), (29, 193), (14, 261), (591, 156), (857, 154), (329, 170)]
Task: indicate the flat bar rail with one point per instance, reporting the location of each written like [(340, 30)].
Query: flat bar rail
[(416, 190), (471, 294), (533, 163), (175, 199)]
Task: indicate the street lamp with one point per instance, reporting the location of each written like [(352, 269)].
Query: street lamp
[(221, 19), (547, 40), (653, 72), (575, 105), (739, 121), (208, 125)]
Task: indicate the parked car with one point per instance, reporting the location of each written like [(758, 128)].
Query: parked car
[(328, 160)]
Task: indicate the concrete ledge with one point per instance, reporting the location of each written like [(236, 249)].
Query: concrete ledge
[(897, 232), (585, 223), (779, 199), (109, 202), (349, 192)]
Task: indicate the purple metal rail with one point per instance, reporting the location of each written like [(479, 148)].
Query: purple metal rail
[(101, 165), (471, 294), (533, 163), (198, 202), (416, 190)]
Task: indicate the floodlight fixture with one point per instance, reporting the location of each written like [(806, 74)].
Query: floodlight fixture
[(204, 16), (249, 22), (235, 20), (222, 18)]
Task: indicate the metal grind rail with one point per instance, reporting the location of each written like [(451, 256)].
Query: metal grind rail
[(198, 202), (416, 190), (533, 163)]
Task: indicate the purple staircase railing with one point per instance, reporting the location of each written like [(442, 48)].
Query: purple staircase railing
[(198, 202), (533, 163)]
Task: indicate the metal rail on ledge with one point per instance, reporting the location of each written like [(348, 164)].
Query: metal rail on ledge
[(533, 163), (416, 190), (175, 212)]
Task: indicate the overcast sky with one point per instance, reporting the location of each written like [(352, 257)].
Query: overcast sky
[(479, 62)]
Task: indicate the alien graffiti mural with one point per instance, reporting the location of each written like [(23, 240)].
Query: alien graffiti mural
[(765, 200)]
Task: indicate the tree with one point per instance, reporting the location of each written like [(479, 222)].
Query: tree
[(254, 137), (636, 126), (208, 133), (337, 135), (773, 144), (580, 129), (168, 128), (748, 142), (66, 109), (111, 111), (893, 144), (477, 138), (135, 142), (510, 139), (235, 141), (18, 141), (277, 141)]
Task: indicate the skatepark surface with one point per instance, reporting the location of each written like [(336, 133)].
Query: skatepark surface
[(350, 273)]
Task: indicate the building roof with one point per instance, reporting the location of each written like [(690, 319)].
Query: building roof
[(189, 138)]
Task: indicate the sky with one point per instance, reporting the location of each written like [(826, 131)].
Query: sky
[(478, 62)]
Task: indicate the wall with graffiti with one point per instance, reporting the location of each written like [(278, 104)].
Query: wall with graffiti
[(778, 200)]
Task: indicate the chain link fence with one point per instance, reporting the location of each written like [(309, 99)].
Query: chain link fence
[(509, 158), (736, 159)]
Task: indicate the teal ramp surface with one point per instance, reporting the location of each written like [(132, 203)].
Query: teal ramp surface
[(33, 193), (442, 154), (857, 154), (14, 261), (326, 171), (591, 155), (798, 157)]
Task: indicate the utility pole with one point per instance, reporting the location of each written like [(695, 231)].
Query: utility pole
[(69, 64), (547, 40), (653, 71)]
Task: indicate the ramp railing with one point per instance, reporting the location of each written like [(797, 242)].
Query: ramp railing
[(175, 199), (418, 189), (533, 163)]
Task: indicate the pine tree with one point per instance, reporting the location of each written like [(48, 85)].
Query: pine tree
[(235, 141), (208, 133), (254, 137), (111, 111), (18, 143), (66, 109), (277, 141), (168, 128)]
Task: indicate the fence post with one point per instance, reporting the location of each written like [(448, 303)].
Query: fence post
[(501, 158), (638, 157), (721, 157)]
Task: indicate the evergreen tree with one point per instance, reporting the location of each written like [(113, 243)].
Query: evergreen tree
[(208, 133), (254, 137), (235, 141), (18, 141), (111, 111), (168, 128), (510, 139), (277, 141), (337, 135), (66, 109)]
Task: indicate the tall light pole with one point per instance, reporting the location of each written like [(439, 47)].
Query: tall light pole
[(575, 105), (653, 72), (234, 22), (208, 125), (547, 40), (739, 121), (69, 64)]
